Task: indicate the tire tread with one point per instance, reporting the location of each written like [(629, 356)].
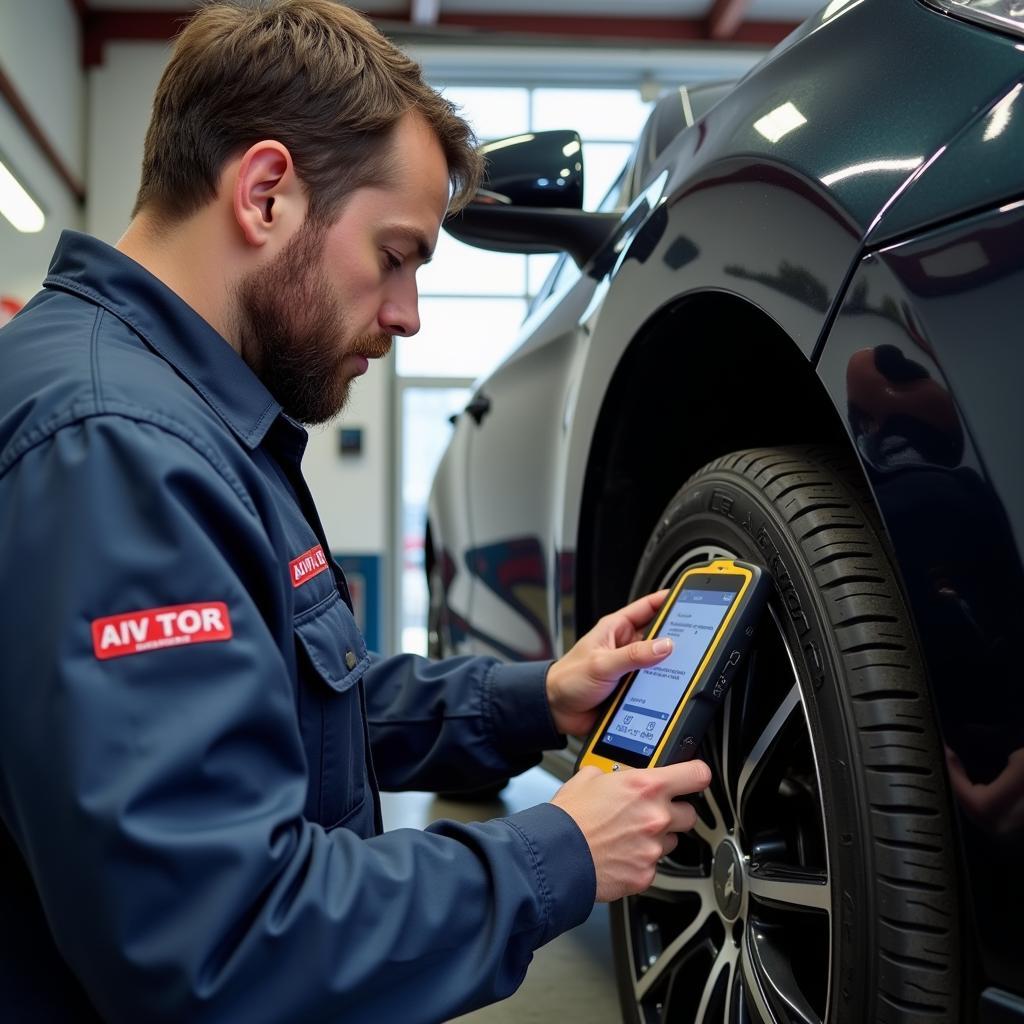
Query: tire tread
[(829, 513)]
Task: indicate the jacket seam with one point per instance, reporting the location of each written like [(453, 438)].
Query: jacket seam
[(487, 711), (46, 430), (94, 359), (314, 611), (538, 870), (421, 721)]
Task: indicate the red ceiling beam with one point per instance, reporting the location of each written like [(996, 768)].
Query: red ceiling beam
[(667, 30), (726, 17), (39, 137), (102, 26)]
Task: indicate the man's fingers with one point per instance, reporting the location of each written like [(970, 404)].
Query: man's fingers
[(685, 778), (638, 654), (684, 816), (643, 609)]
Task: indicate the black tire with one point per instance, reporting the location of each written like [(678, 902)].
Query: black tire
[(829, 801)]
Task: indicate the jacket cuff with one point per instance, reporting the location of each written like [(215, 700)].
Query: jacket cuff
[(518, 710), (563, 864)]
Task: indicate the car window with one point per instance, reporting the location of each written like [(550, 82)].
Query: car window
[(615, 197), (675, 111)]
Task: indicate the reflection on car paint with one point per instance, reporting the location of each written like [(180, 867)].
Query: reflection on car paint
[(513, 570)]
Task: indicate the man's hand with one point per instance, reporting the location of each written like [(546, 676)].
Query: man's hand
[(630, 819), (578, 682)]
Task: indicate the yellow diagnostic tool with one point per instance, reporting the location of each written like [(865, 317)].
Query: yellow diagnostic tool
[(658, 715)]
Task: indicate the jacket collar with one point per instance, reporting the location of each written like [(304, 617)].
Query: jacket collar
[(101, 274)]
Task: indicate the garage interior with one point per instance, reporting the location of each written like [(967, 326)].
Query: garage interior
[(76, 84)]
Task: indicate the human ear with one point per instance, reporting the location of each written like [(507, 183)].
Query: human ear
[(267, 200)]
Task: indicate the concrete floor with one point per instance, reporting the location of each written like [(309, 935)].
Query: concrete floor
[(571, 978)]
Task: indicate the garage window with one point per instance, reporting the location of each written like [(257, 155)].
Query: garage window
[(472, 302)]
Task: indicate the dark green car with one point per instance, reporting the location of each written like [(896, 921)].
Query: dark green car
[(792, 336)]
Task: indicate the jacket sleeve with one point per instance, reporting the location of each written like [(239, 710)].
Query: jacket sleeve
[(458, 723), (157, 797)]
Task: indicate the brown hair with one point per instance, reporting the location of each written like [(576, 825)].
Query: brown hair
[(311, 74)]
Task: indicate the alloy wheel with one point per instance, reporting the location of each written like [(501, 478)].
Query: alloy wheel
[(737, 926)]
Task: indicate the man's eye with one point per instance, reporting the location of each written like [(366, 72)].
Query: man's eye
[(393, 262)]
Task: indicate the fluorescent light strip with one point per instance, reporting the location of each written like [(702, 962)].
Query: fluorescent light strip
[(17, 205), (781, 121), (1002, 112), (872, 167)]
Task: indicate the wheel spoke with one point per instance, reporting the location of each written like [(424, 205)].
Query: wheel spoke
[(723, 965), (756, 759), (673, 951), (736, 1009), (792, 888), (734, 716), (689, 885), (727, 729), (755, 1001), (711, 834), (771, 978), (730, 998)]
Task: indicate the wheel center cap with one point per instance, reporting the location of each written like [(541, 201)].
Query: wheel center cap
[(727, 876)]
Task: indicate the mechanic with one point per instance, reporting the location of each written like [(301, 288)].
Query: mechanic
[(192, 732)]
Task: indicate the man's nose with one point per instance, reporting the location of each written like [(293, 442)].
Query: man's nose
[(401, 316)]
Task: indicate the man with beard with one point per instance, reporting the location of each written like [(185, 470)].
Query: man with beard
[(192, 732)]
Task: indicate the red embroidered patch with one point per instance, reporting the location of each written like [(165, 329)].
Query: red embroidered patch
[(154, 628), (309, 564)]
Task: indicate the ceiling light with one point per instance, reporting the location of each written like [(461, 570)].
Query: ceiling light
[(781, 121), (17, 205), (513, 140)]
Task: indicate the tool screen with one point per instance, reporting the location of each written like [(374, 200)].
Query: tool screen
[(654, 694)]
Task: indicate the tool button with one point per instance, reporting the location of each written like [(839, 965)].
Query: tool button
[(350, 659)]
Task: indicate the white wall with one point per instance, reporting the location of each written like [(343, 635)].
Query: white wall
[(40, 53), (120, 94), (351, 494), (40, 50)]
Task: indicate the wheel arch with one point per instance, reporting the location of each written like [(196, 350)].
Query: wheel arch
[(770, 394)]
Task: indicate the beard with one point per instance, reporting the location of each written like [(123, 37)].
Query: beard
[(292, 331)]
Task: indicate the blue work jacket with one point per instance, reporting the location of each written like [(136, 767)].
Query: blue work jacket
[(191, 728)]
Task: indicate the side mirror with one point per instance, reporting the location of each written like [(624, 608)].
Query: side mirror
[(538, 169), (531, 199)]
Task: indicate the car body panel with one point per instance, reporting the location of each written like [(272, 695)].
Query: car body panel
[(940, 439), (449, 530), (799, 237), (887, 219), (980, 167)]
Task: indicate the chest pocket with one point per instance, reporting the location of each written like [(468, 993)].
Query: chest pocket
[(332, 660)]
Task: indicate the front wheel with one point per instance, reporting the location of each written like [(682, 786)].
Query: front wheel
[(820, 881)]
